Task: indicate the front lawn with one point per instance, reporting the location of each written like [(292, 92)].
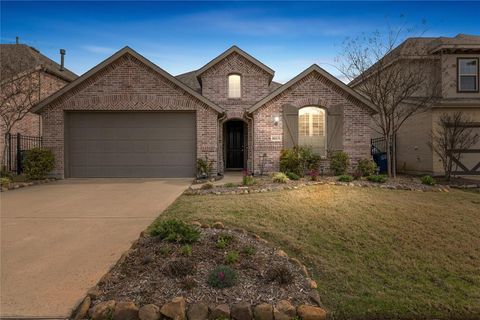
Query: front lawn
[(375, 253)]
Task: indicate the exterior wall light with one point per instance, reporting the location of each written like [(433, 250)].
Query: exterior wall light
[(276, 120)]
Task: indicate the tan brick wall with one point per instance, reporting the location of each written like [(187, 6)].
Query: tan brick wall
[(311, 90), (128, 85)]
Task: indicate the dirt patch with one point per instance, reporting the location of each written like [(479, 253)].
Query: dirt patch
[(155, 271)]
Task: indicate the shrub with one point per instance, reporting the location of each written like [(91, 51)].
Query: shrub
[(224, 240), (229, 185), (248, 251), (313, 174), (299, 160), (280, 177), (37, 163), (293, 176), (345, 178), (5, 182), (366, 167), (204, 167), (232, 257), (379, 178), (222, 277), (339, 162), (428, 180), (248, 180), (186, 250), (279, 273), (308, 160), (175, 231), (179, 268), (207, 186), (165, 251)]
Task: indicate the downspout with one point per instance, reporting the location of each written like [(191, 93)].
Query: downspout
[(249, 117), (221, 117)]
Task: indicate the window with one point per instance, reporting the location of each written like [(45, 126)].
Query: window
[(467, 75), (312, 129), (234, 86)]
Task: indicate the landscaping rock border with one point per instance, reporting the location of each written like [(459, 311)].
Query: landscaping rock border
[(18, 185), (178, 309)]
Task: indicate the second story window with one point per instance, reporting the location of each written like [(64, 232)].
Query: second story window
[(467, 75), (234, 86)]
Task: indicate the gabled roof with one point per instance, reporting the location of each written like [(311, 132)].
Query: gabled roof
[(240, 52), (22, 58), (306, 72), (108, 61)]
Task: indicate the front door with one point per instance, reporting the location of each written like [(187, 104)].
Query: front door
[(234, 145)]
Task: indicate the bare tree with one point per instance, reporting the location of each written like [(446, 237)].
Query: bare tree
[(453, 134), (18, 93), (401, 81)]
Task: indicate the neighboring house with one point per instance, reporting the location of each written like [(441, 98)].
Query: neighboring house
[(455, 61), (48, 76), (127, 117)]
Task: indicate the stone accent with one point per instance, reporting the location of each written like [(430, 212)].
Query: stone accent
[(311, 313), (82, 310), (284, 310), (263, 311), (149, 312), (174, 310), (125, 311), (103, 310), (197, 311), (220, 311), (241, 311)]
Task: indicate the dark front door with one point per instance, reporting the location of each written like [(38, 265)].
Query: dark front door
[(235, 145)]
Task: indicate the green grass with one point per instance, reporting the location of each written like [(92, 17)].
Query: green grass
[(375, 253)]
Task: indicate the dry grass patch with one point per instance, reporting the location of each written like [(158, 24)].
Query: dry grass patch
[(375, 253)]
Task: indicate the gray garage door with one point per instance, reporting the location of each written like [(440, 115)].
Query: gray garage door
[(130, 144)]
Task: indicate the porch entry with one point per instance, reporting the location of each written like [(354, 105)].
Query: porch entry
[(235, 145)]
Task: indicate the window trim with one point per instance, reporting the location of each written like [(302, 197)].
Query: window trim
[(458, 75), (228, 85), (325, 126)]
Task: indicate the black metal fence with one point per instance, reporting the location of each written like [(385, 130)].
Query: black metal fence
[(15, 146)]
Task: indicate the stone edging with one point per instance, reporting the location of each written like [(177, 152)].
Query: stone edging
[(277, 187), (18, 185), (177, 308)]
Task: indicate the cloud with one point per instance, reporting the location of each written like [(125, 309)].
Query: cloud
[(98, 49)]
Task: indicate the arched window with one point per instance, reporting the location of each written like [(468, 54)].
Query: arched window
[(312, 129), (234, 86)]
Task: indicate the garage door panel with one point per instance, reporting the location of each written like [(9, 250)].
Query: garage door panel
[(141, 144)]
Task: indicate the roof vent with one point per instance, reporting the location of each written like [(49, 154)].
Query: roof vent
[(62, 59)]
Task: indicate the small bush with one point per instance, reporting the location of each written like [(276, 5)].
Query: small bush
[(229, 185), (186, 250), (175, 231), (4, 182), (379, 178), (280, 177), (345, 178), (339, 162), (249, 251), (366, 167), (204, 167), (313, 174), (293, 176), (224, 240), (37, 163), (428, 180), (248, 180), (179, 268), (207, 186), (222, 277), (232, 257), (290, 161), (279, 273)]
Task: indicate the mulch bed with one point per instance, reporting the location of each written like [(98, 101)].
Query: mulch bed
[(144, 277)]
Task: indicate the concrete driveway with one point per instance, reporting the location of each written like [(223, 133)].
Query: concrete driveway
[(58, 239)]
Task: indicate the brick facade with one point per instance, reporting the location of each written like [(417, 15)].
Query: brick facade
[(127, 84)]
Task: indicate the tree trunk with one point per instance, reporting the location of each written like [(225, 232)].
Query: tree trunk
[(394, 156), (389, 155)]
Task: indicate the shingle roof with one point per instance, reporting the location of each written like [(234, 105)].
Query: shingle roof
[(23, 58)]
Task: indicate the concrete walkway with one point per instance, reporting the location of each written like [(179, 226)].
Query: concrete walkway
[(58, 239)]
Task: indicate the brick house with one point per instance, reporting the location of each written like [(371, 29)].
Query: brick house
[(127, 117), (47, 77)]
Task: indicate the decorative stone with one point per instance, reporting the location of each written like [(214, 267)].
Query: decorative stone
[(126, 310), (220, 311), (196, 223), (314, 297), (103, 310), (284, 310), (174, 310), (82, 309), (197, 311), (311, 313), (263, 311), (93, 292), (149, 312), (281, 253), (241, 311), (218, 225), (312, 284)]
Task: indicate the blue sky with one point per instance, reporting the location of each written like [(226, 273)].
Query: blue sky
[(183, 36)]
